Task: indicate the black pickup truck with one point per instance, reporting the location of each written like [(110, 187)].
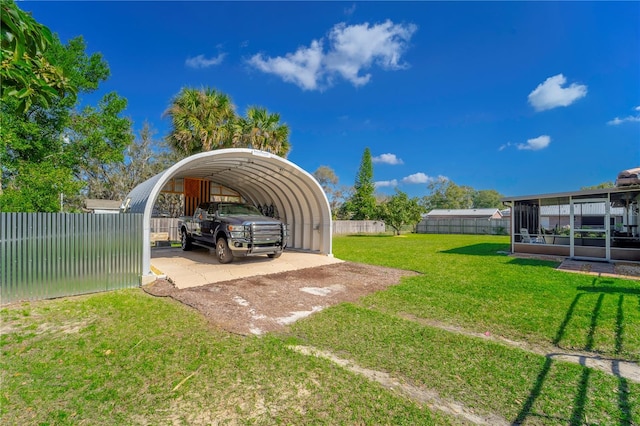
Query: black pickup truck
[(234, 229)]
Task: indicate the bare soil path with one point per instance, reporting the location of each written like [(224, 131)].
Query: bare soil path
[(260, 304)]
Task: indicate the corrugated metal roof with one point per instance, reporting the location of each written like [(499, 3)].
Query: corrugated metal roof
[(261, 178), (463, 212), (93, 204)]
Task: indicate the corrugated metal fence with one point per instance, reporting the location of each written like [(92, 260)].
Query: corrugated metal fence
[(46, 255), (463, 226)]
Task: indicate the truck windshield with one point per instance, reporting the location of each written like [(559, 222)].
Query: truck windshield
[(237, 210)]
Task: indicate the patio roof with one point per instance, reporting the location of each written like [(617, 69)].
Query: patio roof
[(575, 194)]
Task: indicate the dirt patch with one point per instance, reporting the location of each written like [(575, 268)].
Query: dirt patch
[(261, 304), (624, 270), (418, 394), (628, 269)]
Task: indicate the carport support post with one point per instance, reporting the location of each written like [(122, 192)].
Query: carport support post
[(327, 229), (147, 276)]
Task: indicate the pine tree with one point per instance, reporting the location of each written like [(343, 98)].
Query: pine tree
[(363, 203)]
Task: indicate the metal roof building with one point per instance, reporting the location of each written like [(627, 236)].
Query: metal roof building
[(102, 206), (490, 213), (260, 178)]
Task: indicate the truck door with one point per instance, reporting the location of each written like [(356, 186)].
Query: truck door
[(197, 222), (207, 223)]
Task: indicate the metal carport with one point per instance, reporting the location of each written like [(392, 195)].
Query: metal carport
[(260, 178)]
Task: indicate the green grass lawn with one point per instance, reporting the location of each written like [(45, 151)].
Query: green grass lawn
[(128, 358), (466, 281)]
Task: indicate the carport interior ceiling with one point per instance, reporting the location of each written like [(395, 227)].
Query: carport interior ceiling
[(260, 178)]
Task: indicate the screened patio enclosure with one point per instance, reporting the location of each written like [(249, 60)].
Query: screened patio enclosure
[(592, 225)]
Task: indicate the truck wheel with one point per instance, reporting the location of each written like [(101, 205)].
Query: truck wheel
[(223, 252), (185, 241), (275, 255)]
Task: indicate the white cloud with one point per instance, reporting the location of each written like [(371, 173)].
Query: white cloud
[(631, 118), (387, 159), (201, 62), (352, 50), (551, 94), (417, 178), (302, 68), (385, 183), (535, 144), (356, 47)]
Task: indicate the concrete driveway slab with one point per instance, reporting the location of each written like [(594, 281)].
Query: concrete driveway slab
[(199, 266)]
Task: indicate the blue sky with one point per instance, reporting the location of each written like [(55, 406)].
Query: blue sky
[(520, 97)]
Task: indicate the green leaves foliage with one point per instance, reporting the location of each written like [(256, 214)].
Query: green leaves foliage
[(445, 194), (144, 157), (26, 72), (200, 120), (47, 146), (205, 119), (362, 204), (262, 130), (100, 135), (37, 188), (400, 210)]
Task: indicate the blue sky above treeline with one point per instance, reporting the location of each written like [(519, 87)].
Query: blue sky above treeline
[(520, 97)]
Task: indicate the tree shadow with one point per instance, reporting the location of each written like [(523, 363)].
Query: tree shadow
[(610, 290), (527, 408), (481, 249), (368, 236), (533, 262), (623, 397), (619, 325), (567, 319), (581, 396)]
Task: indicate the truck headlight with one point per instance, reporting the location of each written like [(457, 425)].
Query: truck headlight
[(238, 231)]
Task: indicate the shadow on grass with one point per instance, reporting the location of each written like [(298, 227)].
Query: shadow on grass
[(368, 235), (533, 262), (481, 249), (610, 290), (581, 397)]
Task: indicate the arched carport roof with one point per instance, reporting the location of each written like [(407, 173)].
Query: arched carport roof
[(260, 178)]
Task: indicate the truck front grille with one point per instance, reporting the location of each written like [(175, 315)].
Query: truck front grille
[(266, 233)]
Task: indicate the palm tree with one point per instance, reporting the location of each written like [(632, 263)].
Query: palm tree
[(263, 130), (200, 119)]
